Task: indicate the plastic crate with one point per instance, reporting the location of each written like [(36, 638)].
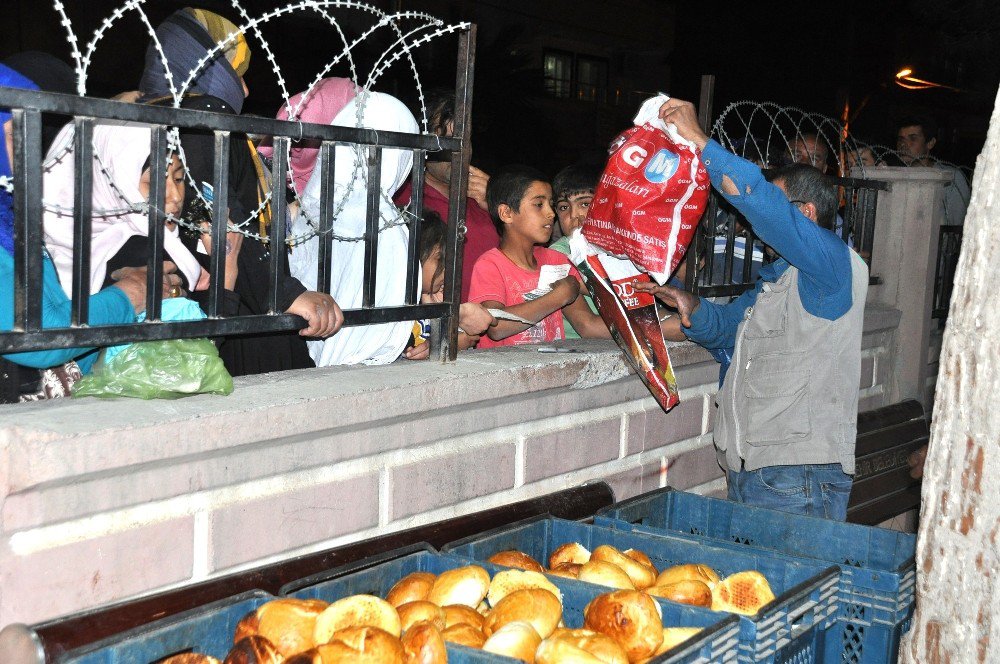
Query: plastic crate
[(878, 569), (208, 630), (716, 643), (791, 629)]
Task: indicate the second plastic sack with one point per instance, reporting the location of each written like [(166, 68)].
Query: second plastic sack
[(651, 195)]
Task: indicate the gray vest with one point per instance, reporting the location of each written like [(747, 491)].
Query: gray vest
[(791, 394)]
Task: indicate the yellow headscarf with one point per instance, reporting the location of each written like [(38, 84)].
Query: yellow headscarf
[(219, 28)]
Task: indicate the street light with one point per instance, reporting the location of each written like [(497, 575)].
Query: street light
[(906, 79)]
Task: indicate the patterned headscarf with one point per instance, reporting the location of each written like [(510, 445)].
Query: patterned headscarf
[(186, 37), (11, 79)]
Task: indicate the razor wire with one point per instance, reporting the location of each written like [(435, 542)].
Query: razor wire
[(405, 41)]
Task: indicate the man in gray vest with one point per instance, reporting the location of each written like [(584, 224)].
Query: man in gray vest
[(788, 408)]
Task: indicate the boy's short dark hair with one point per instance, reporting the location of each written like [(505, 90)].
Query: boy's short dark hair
[(807, 184), (573, 180), (432, 232), (925, 122), (440, 106), (507, 187)]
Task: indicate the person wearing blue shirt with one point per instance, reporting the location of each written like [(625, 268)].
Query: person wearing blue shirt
[(787, 416)]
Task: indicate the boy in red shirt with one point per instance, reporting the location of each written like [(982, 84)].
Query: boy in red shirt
[(524, 277)]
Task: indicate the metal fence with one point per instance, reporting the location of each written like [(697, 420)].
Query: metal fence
[(949, 248), (27, 110)]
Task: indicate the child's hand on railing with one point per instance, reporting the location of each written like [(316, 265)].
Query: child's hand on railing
[(322, 313), (474, 319), (477, 186), (132, 282)]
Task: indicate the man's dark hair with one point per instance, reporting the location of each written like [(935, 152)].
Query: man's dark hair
[(507, 187), (440, 105), (432, 232), (807, 184), (925, 122), (573, 180)]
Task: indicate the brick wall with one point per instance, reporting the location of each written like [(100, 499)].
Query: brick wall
[(103, 500)]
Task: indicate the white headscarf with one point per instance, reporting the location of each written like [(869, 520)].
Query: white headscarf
[(369, 344), (120, 155)]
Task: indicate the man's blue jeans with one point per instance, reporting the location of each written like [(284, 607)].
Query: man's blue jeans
[(815, 490)]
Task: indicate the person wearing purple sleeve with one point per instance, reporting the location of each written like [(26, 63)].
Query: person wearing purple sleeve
[(787, 419)]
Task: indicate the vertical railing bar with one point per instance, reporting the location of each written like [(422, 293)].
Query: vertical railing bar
[(458, 193), (869, 210), (27, 220), (372, 218), (83, 199), (157, 197), (849, 204), (220, 223), (327, 205), (277, 233), (748, 246), (417, 210), (730, 248)]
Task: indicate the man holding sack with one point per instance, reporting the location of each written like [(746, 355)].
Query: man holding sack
[(787, 418)]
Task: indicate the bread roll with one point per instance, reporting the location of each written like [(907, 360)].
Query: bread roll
[(672, 637), (744, 592), (463, 585), (253, 650), (690, 572), (639, 557), (642, 576), (631, 618), (600, 646), (516, 559), (289, 624), (556, 651), (189, 658), (420, 611), (694, 593), (355, 645), (571, 552), (567, 570), (249, 625), (506, 582), (464, 634), (411, 588), (456, 614), (535, 606), (605, 574), (422, 644), (517, 639), (357, 611)]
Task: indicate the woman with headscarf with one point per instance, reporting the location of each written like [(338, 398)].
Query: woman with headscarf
[(118, 303), (186, 37), (370, 344)]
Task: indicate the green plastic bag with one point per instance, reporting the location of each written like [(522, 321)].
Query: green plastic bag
[(167, 369)]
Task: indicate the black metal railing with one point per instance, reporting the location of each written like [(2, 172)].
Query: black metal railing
[(949, 248), (27, 108), (725, 256)]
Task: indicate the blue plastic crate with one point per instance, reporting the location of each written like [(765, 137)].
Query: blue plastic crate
[(208, 630), (878, 568), (716, 643), (791, 629)]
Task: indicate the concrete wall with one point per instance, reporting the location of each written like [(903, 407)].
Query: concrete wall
[(103, 500)]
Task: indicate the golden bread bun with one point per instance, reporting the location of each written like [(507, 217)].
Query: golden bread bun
[(355, 645), (253, 650), (420, 611), (631, 618), (464, 634), (605, 574), (249, 625), (422, 644), (357, 611), (694, 593), (506, 582), (639, 557), (463, 585), (599, 646), (690, 572), (642, 576), (557, 651), (411, 588), (517, 639), (456, 614), (674, 636), (289, 624), (743, 592), (516, 559), (567, 570), (571, 552), (189, 658), (535, 606)]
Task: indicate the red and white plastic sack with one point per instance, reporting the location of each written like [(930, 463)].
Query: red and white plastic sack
[(646, 208)]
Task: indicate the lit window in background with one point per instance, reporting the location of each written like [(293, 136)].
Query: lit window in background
[(591, 79), (558, 73)]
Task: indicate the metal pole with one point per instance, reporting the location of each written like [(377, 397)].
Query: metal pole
[(705, 101)]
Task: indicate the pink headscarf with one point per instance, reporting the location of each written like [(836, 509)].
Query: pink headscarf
[(321, 105)]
